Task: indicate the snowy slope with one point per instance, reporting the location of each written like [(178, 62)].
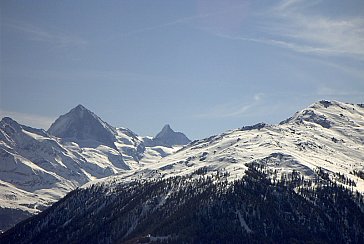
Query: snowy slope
[(166, 142), (329, 135), (82, 127), (37, 167), (325, 137)]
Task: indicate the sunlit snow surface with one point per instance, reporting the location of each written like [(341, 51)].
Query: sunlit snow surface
[(329, 135), (37, 169)]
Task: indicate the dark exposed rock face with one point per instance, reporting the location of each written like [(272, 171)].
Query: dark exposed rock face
[(84, 127), (168, 137)]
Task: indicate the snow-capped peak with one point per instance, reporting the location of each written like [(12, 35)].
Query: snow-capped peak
[(37, 168), (11, 127), (327, 114), (302, 143), (84, 127), (168, 137)]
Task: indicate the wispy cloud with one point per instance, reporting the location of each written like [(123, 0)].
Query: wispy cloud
[(286, 4), (313, 33), (33, 120), (279, 43), (187, 19), (290, 25), (258, 96), (230, 110), (167, 24), (35, 33)]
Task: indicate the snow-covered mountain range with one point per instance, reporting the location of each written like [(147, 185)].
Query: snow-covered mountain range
[(300, 180), (327, 135), (38, 167), (299, 167)]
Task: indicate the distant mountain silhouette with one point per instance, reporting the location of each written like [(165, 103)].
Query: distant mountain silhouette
[(168, 137), (84, 127)]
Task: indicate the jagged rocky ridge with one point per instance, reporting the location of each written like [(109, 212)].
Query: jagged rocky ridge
[(298, 181), (38, 167)]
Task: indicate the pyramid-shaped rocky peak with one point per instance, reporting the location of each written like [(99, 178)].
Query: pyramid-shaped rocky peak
[(83, 127), (168, 137), (165, 131)]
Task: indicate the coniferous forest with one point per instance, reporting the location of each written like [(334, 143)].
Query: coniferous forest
[(204, 208)]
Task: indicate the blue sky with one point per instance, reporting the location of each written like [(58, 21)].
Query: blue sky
[(202, 66)]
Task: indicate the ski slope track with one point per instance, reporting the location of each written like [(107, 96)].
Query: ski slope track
[(39, 167)]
